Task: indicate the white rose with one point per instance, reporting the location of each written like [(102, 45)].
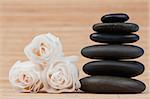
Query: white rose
[(61, 76), (24, 77), (43, 49)]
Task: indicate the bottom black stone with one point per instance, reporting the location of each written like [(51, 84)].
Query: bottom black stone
[(111, 85)]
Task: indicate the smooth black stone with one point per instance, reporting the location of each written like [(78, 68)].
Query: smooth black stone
[(112, 52), (112, 18), (113, 28), (111, 84), (114, 68), (114, 39)]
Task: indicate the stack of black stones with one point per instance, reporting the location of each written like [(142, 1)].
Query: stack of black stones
[(112, 72)]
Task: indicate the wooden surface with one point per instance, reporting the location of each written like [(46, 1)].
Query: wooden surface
[(71, 20)]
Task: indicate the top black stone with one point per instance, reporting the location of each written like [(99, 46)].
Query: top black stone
[(116, 17)]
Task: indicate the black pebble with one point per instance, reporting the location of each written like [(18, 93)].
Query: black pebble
[(114, 68), (113, 28), (111, 84), (112, 52), (112, 18), (114, 39)]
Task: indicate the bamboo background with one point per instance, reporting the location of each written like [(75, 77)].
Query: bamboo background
[(71, 20)]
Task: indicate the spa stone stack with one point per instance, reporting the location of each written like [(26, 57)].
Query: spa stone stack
[(112, 72)]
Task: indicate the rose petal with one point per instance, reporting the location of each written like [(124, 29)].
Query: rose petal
[(43, 49), (61, 76), (24, 77)]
